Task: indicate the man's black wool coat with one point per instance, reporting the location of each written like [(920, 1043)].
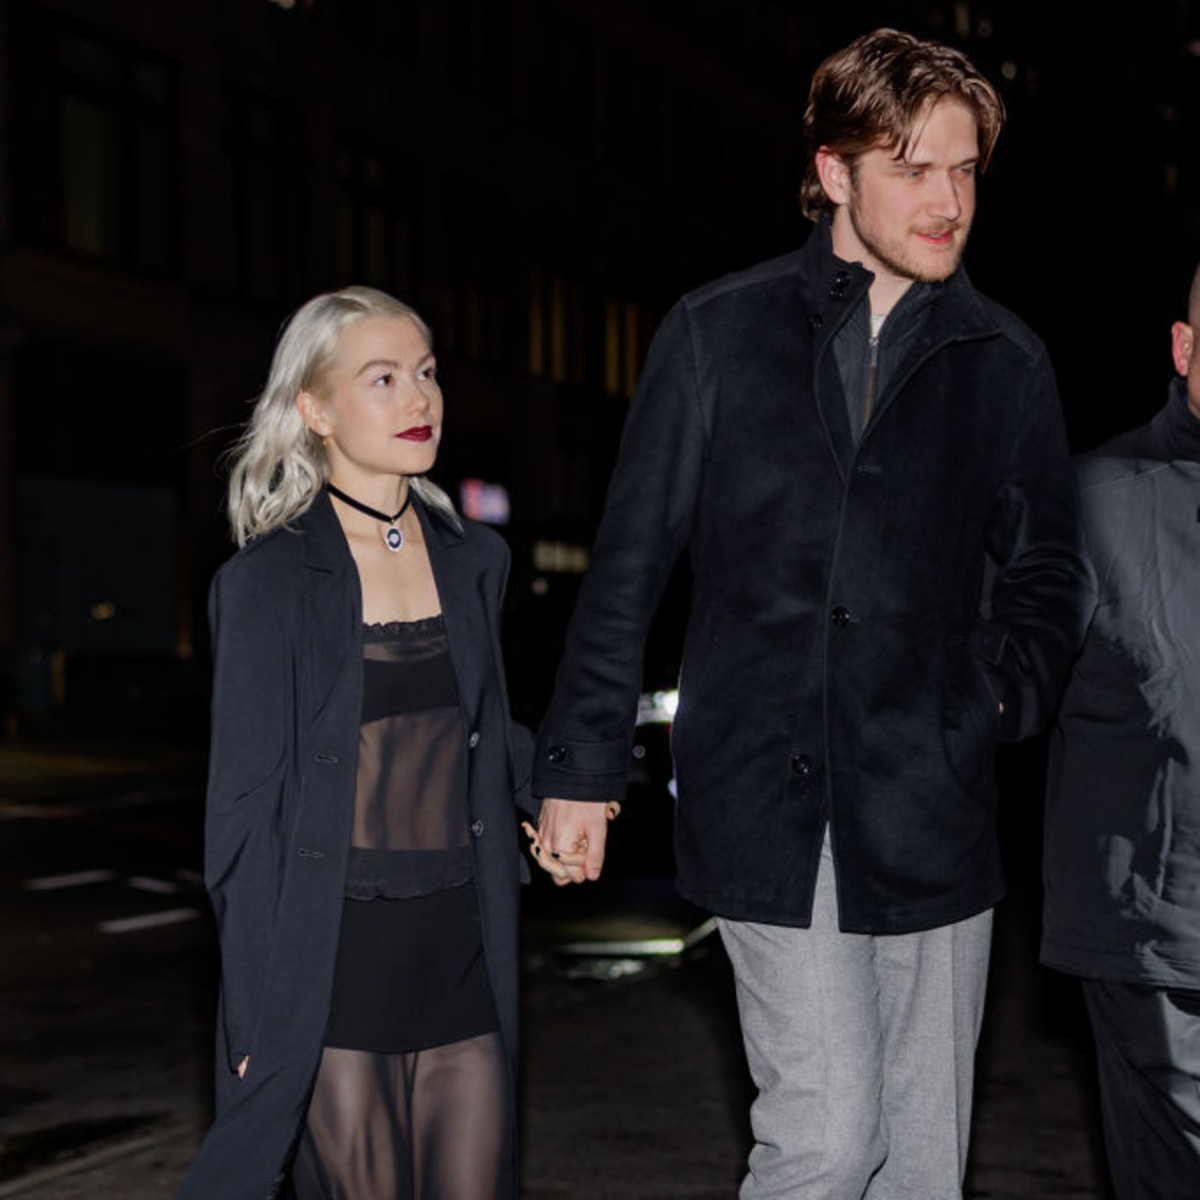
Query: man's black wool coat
[(844, 661)]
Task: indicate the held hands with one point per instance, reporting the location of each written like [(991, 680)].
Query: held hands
[(568, 843)]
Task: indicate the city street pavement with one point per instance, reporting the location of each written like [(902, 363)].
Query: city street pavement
[(634, 1081)]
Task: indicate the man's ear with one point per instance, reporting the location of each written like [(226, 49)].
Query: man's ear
[(1183, 346), (834, 173), (312, 413)]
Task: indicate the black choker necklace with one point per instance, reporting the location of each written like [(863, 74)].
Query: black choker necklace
[(393, 535)]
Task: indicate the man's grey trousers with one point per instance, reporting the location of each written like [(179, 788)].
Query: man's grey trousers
[(863, 1052)]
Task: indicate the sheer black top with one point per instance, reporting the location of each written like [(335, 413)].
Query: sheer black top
[(410, 834)]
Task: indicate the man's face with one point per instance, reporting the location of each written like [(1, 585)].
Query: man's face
[(908, 218)]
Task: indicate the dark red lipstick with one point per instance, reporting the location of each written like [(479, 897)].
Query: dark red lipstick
[(418, 433)]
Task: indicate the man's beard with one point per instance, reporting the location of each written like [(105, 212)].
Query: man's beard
[(898, 264)]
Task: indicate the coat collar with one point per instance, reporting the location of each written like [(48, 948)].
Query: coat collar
[(463, 608), (1177, 427), (832, 288), (325, 545)]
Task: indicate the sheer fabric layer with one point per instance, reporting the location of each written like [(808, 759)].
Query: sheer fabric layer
[(431, 1125), (410, 815), (411, 1100)]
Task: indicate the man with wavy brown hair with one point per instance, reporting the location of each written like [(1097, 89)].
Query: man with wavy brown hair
[(875, 94), (841, 439)]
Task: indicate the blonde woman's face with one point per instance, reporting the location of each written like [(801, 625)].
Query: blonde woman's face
[(379, 412)]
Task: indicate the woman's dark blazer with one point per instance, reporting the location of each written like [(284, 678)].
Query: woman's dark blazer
[(286, 616)]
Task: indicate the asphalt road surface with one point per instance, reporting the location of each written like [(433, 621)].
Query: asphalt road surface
[(634, 1080)]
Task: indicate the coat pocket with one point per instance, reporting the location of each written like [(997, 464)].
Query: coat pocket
[(970, 715)]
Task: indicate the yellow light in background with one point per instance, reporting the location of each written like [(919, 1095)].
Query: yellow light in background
[(612, 348), (562, 558), (104, 611), (631, 348), (537, 328), (558, 329)]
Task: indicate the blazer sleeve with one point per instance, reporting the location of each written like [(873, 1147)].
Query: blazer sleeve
[(1043, 589), (245, 833), (583, 746)]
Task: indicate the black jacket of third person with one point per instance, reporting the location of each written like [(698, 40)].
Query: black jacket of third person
[(1122, 861)]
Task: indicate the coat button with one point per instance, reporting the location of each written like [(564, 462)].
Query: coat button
[(815, 321), (802, 765), (473, 740), (477, 828), (558, 754), (840, 616)]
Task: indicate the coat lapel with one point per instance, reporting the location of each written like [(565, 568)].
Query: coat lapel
[(828, 291), (957, 316), (457, 575), (332, 601)]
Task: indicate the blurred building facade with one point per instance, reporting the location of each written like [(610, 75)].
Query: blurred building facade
[(540, 178), (536, 176)]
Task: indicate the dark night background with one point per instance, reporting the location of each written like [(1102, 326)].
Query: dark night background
[(541, 178)]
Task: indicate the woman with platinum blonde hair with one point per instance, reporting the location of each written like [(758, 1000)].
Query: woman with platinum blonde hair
[(361, 847), (279, 464)]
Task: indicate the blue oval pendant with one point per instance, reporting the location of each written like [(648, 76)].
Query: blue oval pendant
[(393, 538)]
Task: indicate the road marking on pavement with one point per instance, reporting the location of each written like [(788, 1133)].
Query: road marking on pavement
[(50, 883), (15, 810), (170, 916), (161, 887), (640, 947)]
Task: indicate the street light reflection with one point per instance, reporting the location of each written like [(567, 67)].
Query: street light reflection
[(657, 708)]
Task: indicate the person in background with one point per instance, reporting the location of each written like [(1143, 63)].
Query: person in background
[(1122, 852), (362, 853), (840, 439)]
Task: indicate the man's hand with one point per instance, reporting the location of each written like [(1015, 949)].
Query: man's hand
[(570, 838)]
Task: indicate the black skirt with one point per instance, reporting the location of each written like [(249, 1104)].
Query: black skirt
[(410, 974)]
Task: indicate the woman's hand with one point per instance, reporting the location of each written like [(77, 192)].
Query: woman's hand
[(577, 852)]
